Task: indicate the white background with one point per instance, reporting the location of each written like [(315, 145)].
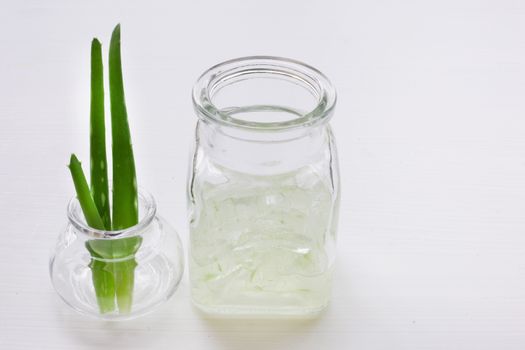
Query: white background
[(431, 133)]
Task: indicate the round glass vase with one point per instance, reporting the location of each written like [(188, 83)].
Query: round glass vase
[(117, 275), (263, 189)]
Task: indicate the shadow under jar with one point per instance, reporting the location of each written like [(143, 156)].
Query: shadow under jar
[(116, 275), (263, 189)]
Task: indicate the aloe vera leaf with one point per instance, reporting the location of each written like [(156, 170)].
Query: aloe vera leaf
[(102, 274), (125, 206), (124, 270), (99, 172), (124, 281), (102, 271), (104, 283), (125, 198), (87, 204)]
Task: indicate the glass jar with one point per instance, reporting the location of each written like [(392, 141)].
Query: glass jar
[(263, 189), (117, 275)]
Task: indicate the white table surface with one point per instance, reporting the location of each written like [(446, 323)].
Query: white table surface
[(431, 133)]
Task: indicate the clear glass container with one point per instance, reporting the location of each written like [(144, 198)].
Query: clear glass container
[(263, 189), (134, 270)]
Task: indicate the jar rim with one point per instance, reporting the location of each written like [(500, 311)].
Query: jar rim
[(300, 72), (145, 198)]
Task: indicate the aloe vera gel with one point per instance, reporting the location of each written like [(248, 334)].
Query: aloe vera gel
[(260, 243), (263, 189)]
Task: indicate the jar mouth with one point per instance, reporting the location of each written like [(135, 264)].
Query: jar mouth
[(147, 212), (243, 69)]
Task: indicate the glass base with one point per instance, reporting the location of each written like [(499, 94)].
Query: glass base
[(238, 311), (155, 282)]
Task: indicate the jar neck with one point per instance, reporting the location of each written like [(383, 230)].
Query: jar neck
[(262, 153), (147, 211)]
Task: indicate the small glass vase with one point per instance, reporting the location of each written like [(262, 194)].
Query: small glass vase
[(117, 275)]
